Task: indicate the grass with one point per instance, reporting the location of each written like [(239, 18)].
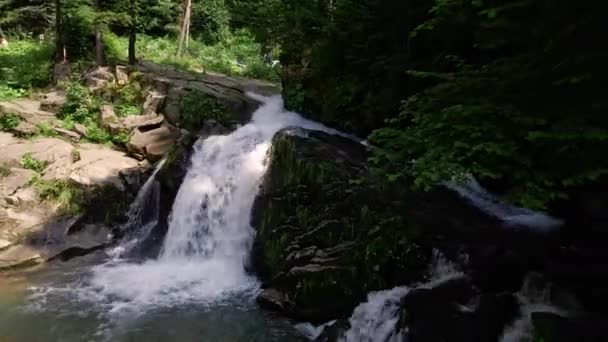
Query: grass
[(46, 130), (31, 163), (66, 195), (24, 64), (9, 121), (237, 55)]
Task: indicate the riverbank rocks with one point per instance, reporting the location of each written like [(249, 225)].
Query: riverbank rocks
[(325, 237), (153, 144)]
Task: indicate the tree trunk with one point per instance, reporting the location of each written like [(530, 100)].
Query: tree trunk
[(185, 29), (99, 53), (132, 41), (60, 55)]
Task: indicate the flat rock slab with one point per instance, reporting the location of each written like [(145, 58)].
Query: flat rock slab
[(44, 149), (17, 179), (28, 110), (98, 166)]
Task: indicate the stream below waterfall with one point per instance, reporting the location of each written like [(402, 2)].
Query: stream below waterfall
[(196, 289)]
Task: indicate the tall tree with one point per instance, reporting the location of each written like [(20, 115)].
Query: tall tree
[(59, 47), (185, 27)]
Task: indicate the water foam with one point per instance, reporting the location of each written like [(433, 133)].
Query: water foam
[(205, 252)]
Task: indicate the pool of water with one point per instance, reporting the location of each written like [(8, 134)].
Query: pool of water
[(53, 303)]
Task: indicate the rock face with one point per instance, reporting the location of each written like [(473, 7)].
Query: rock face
[(153, 144), (324, 235)]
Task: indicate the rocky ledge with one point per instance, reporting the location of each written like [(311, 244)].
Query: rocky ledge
[(329, 231)]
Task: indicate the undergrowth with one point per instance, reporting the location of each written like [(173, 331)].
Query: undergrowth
[(237, 54), (68, 197), (24, 64), (29, 162)]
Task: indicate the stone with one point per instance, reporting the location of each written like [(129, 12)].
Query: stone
[(66, 133), (5, 244), (25, 129), (153, 103), (53, 101), (107, 115), (495, 312), (122, 75), (80, 129), (61, 72), (334, 332), (44, 149), (272, 299), (28, 110), (99, 78), (148, 121), (173, 104), (98, 166), (212, 127), (16, 179), (159, 140)]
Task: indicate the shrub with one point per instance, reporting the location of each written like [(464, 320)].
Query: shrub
[(197, 107), (68, 196), (9, 122), (24, 64), (31, 163)]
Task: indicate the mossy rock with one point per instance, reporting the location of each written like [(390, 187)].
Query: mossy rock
[(327, 233)]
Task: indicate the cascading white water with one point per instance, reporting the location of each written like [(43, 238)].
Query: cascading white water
[(377, 318), (205, 252), (511, 215)]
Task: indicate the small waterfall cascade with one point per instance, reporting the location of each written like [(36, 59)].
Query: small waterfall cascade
[(209, 238), (511, 215), (143, 214), (377, 318)]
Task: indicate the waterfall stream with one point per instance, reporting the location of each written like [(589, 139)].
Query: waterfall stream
[(204, 255)]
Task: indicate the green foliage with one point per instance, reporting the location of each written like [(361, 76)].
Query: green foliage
[(79, 106), (24, 64), (9, 122), (25, 17), (5, 170), (501, 119), (31, 163), (197, 107), (66, 195), (45, 129), (128, 99)]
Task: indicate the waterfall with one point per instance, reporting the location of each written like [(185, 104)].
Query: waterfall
[(143, 215), (512, 216), (209, 238), (377, 318)]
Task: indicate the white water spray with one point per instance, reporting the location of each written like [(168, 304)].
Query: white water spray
[(509, 214), (209, 238)]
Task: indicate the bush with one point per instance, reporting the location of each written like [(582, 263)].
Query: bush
[(9, 122), (197, 107), (68, 196), (31, 163), (24, 64)]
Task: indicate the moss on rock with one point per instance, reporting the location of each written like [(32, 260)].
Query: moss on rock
[(327, 233)]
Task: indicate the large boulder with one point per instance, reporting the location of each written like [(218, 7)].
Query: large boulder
[(99, 78), (153, 144), (53, 101), (325, 235)]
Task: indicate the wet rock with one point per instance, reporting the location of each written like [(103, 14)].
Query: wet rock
[(494, 313), (273, 299), (313, 258), (212, 127), (551, 327), (173, 104), (333, 332)]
